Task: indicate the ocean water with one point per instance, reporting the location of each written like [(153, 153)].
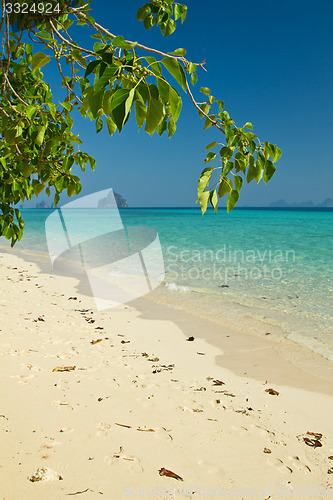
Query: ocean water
[(257, 270)]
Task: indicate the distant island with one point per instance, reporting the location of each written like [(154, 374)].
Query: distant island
[(109, 203), (42, 204), (328, 203)]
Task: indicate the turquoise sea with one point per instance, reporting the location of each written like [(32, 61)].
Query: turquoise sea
[(258, 270)]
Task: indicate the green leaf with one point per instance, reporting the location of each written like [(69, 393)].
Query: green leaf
[(119, 109), (44, 35), (180, 52), (91, 66), (205, 90), (170, 27), (92, 162), (154, 115), (232, 200), (28, 48), (99, 125), (39, 60), (226, 152), (225, 187), (112, 127), (163, 88), (176, 70), (191, 67), (277, 154), (119, 41), (269, 171), (142, 12), (252, 171), (175, 103), (214, 200), (148, 22), (52, 109), (95, 102), (211, 145), (140, 113), (194, 78), (204, 180), (203, 199), (210, 157), (66, 105), (238, 181), (99, 47), (180, 12), (227, 167), (162, 127), (102, 81), (221, 106), (171, 127), (208, 124), (40, 136), (154, 65), (259, 165), (71, 189), (248, 125)]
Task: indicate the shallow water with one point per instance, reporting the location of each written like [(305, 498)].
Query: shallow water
[(264, 271)]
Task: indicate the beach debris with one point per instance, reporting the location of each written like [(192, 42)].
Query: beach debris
[(64, 368), (89, 320), (312, 442), (99, 327), (3, 416), (223, 286), (162, 368), (45, 474), (144, 354), (93, 342), (125, 341), (218, 382), (154, 359), (145, 430), (316, 435), (330, 457), (72, 298), (330, 471), (271, 391), (267, 333), (79, 492), (190, 339), (124, 425), (267, 450), (121, 454), (169, 473), (201, 353), (100, 399)]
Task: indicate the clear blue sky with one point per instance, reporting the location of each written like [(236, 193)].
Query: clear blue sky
[(269, 61)]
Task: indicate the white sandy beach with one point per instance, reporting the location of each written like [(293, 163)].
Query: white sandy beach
[(138, 397)]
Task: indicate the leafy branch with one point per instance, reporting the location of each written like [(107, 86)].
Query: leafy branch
[(117, 78)]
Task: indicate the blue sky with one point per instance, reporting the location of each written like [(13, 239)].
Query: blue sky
[(269, 61)]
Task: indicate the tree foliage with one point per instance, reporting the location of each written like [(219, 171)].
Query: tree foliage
[(106, 83)]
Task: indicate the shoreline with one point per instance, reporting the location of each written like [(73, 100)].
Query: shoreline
[(275, 354), (136, 397)]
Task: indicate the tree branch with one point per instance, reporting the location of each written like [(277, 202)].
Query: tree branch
[(213, 122)]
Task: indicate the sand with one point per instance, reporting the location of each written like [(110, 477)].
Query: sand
[(137, 398)]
